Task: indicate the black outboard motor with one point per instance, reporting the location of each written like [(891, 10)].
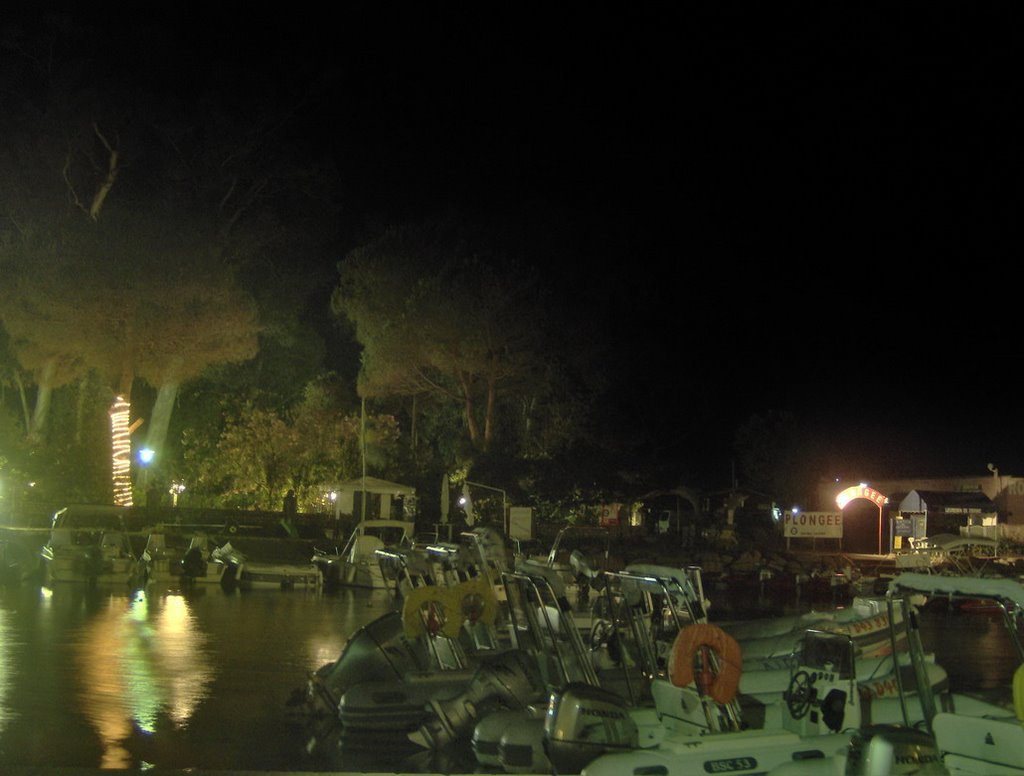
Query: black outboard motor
[(584, 722), (193, 564), (511, 680), (378, 652), (886, 750)]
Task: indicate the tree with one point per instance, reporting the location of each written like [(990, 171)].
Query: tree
[(779, 455), (449, 311), (260, 454), (143, 209)]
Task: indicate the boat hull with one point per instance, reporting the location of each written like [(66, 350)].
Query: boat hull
[(255, 576)]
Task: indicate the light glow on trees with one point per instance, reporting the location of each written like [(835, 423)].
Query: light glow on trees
[(121, 445)]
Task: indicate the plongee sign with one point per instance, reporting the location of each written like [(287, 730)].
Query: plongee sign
[(812, 525)]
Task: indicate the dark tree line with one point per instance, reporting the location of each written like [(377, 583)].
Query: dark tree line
[(195, 251)]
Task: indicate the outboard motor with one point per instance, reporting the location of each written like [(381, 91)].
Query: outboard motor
[(511, 681), (587, 577), (506, 740), (584, 722), (378, 652), (881, 750), (193, 564)]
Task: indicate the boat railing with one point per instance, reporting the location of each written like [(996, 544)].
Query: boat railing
[(544, 626), (603, 534), (1004, 594)]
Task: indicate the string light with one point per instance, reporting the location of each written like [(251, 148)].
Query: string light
[(121, 446)]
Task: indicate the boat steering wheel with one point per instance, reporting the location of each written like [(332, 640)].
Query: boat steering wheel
[(798, 694), (600, 632)]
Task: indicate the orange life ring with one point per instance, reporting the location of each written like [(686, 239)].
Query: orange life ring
[(725, 680)]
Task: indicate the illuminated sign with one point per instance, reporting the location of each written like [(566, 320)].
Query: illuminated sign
[(860, 491), (807, 525)]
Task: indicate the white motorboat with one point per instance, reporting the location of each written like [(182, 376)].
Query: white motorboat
[(696, 729), (770, 643), (356, 564), (963, 732), (270, 564), (162, 556), (944, 552), (90, 545), (643, 703)]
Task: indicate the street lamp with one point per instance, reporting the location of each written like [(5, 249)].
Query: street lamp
[(145, 455)]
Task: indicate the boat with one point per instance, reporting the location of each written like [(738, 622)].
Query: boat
[(467, 637), (770, 643), (204, 562), (162, 555), (620, 652), (543, 631), (20, 562), (957, 733), (356, 564), (270, 564), (91, 546), (646, 703), (440, 641), (950, 553), (702, 724), (578, 554)]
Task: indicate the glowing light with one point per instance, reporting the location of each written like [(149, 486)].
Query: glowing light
[(121, 449), (146, 456), (860, 491), (176, 489), (869, 493)]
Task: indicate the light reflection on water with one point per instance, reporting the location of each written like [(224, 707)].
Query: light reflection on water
[(140, 657), (201, 678), (178, 679), (8, 658)]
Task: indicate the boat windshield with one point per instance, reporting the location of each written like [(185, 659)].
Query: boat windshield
[(828, 652), (390, 535)]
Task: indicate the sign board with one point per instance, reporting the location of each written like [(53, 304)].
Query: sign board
[(520, 522), (812, 525), (611, 514), (903, 526)]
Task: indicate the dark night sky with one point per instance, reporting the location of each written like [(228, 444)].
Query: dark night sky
[(812, 207)]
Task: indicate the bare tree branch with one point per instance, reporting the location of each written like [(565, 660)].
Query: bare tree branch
[(108, 181)]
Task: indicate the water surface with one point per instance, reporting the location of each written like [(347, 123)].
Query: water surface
[(201, 679)]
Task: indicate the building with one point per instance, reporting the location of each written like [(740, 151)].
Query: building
[(929, 505)]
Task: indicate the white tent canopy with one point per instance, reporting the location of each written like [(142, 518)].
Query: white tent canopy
[(345, 501)]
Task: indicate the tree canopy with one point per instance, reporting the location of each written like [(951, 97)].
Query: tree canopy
[(453, 311)]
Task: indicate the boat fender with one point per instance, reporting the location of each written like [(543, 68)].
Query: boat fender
[(443, 610), (725, 678)]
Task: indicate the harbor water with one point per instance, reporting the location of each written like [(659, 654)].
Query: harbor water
[(200, 679)]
